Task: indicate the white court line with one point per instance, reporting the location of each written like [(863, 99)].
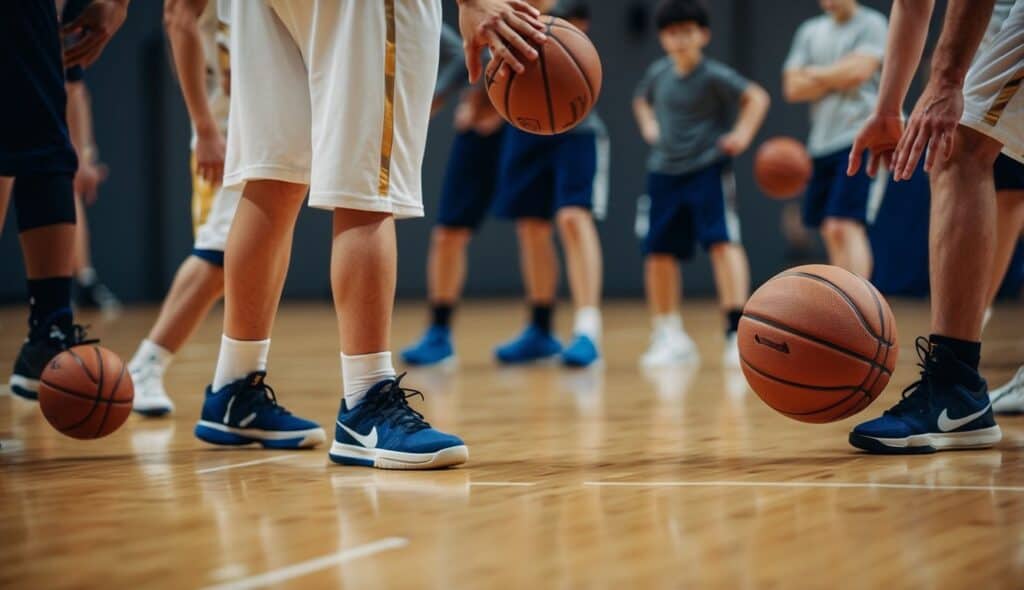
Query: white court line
[(246, 464), (802, 484), (503, 483), (307, 567)]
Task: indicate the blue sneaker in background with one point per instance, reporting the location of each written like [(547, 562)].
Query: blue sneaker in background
[(246, 411), (947, 408), (581, 352), (384, 431), (433, 349), (531, 346)]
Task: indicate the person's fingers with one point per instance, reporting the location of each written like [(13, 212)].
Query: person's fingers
[(516, 41), (502, 52), (856, 155), (902, 151), (521, 6), (528, 26), (85, 51), (872, 167), (914, 155)]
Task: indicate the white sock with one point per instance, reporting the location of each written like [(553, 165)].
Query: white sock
[(238, 358), (668, 323), (361, 372), (151, 353), (588, 323), (86, 275)]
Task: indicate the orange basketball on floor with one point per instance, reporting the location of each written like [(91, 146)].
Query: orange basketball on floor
[(782, 168), (557, 90), (817, 343), (86, 392)]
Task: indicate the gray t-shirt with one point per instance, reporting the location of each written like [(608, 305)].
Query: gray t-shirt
[(821, 41), (693, 112)]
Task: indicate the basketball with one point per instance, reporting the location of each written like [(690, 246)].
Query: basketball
[(782, 168), (557, 90), (85, 392), (817, 343)]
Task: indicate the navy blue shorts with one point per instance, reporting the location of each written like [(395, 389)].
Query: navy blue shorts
[(541, 174), (1009, 174), (33, 129), (696, 207), (831, 193), (470, 179)]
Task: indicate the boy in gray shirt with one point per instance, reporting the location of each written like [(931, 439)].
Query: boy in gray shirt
[(697, 114), (834, 64)]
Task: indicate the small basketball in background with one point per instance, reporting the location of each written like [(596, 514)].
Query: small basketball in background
[(817, 343), (85, 392), (557, 90), (782, 168)]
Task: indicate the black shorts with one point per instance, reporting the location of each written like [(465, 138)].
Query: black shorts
[(1009, 174), (33, 128)]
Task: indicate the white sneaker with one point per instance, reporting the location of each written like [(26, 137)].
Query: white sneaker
[(1009, 399), (670, 348), (150, 397), (731, 354)]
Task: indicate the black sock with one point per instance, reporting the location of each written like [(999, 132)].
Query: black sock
[(50, 302), (967, 352), (732, 320), (441, 315), (540, 317)]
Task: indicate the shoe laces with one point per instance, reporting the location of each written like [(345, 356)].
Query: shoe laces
[(260, 397), (391, 402), (916, 397)]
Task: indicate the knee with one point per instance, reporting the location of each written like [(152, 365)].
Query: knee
[(572, 221), (450, 237), (533, 229), (839, 231), (974, 150)]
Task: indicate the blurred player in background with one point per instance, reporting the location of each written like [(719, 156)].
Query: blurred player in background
[(466, 196), (697, 114), (965, 117), (556, 180), (36, 150), (834, 65), (199, 44)]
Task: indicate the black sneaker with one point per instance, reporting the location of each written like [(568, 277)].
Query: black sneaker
[(42, 345), (96, 295)]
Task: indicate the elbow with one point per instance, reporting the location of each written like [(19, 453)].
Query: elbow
[(177, 19), (791, 94), (761, 98)]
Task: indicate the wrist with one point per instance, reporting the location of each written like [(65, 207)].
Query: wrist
[(946, 75), (207, 128)]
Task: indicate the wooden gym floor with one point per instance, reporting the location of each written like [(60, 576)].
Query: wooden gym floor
[(577, 479)]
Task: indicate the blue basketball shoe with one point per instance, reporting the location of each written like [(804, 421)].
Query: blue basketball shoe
[(531, 346), (947, 408), (581, 352), (383, 431), (246, 411), (434, 348)]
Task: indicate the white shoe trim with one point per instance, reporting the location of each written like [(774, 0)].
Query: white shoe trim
[(310, 434), (982, 437), (386, 459), (24, 383)]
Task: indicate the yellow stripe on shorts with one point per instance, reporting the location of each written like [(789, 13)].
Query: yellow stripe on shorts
[(202, 198), (1004, 97), (387, 138)]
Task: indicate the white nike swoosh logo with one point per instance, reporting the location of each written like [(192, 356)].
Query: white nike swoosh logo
[(247, 420), (367, 440), (948, 425)]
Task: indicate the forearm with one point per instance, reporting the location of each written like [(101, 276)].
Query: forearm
[(908, 30), (79, 119), (181, 22), (799, 86), (644, 114), (847, 73), (754, 106), (962, 32)]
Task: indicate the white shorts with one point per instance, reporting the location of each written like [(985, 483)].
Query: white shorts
[(993, 101), (213, 208), (335, 94)]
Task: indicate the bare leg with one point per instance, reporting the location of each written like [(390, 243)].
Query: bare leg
[(962, 229), (83, 255), (1009, 226), (196, 287), (446, 264), (848, 247), (583, 255), (538, 260), (664, 283), (732, 274), (257, 255), (6, 182), (48, 251), (364, 261)]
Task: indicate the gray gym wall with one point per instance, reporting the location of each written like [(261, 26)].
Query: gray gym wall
[(141, 224)]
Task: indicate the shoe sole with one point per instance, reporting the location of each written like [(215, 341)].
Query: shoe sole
[(220, 434), (345, 454), (448, 362), (153, 412), (552, 358), (24, 387), (575, 364), (928, 443)]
